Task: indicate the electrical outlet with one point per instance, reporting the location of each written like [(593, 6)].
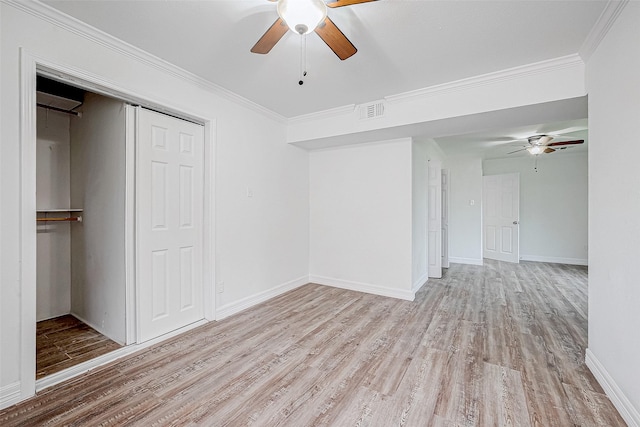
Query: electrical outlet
[(220, 287)]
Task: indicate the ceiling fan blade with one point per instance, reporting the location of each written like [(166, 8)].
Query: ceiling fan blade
[(555, 144), (549, 150), (522, 149), (271, 37), (340, 3), (335, 39)]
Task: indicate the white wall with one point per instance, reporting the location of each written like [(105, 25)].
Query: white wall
[(419, 197), (262, 211), (465, 219), (613, 82), (261, 243), (53, 293), (553, 205), (361, 217), (98, 243)]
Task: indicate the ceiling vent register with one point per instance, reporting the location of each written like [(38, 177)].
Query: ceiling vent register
[(372, 110)]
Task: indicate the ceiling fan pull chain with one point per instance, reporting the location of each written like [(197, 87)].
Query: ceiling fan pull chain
[(303, 58)]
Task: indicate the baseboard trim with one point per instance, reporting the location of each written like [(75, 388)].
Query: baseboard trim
[(238, 306), (10, 394), (555, 260), (420, 283), (470, 261), (630, 414), (363, 287)]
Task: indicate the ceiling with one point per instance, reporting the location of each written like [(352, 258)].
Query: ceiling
[(403, 45)]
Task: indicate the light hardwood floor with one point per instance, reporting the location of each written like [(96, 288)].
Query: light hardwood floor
[(496, 345)]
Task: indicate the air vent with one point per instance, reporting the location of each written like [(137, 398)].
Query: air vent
[(371, 111)]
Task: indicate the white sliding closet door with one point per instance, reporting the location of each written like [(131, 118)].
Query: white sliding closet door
[(169, 227)]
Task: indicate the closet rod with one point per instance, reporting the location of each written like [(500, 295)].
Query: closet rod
[(49, 107), (70, 219)]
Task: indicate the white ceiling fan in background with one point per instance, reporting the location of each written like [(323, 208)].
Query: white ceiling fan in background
[(542, 144)]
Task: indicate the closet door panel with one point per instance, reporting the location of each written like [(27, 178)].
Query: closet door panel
[(169, 191)]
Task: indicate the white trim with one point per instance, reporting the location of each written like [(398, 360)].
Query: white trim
[(89, 365), (129, 225), (10, 394), (624, 406), (541, 67), (209, 223), (420, 282), (240, 305), (26, 215), (82, 29), (469, 261), (555, 260), (602, 26), (363, 287)]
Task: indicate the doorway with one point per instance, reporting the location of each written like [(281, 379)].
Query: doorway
[(80, 188)]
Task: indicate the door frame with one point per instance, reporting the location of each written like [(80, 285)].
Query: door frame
[(32, 65)]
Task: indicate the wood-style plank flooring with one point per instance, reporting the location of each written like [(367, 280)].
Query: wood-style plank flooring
[(65, 341), (497, 345)]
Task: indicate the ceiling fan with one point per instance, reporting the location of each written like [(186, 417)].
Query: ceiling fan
[(303, 17), (541, 144)]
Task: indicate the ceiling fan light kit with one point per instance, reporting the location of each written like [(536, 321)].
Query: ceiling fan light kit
[(536, 149), (302, 16)]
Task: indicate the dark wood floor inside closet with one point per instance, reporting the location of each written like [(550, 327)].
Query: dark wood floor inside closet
[(493, 345), (64, 342)]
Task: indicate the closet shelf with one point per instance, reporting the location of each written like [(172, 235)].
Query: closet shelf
[(57, 210)]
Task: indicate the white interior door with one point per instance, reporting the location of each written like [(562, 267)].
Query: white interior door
[(501, 216), (169, 225), (434, 210), (445, 218)]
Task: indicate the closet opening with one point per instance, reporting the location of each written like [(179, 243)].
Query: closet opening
[(80, 226)]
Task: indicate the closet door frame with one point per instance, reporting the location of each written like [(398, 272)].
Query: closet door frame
[(31, 66)]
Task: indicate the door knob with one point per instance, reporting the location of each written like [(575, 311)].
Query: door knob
[(516, 222)]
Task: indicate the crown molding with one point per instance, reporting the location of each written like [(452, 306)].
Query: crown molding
[(546, 66), (602, 26), (82, 29)]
